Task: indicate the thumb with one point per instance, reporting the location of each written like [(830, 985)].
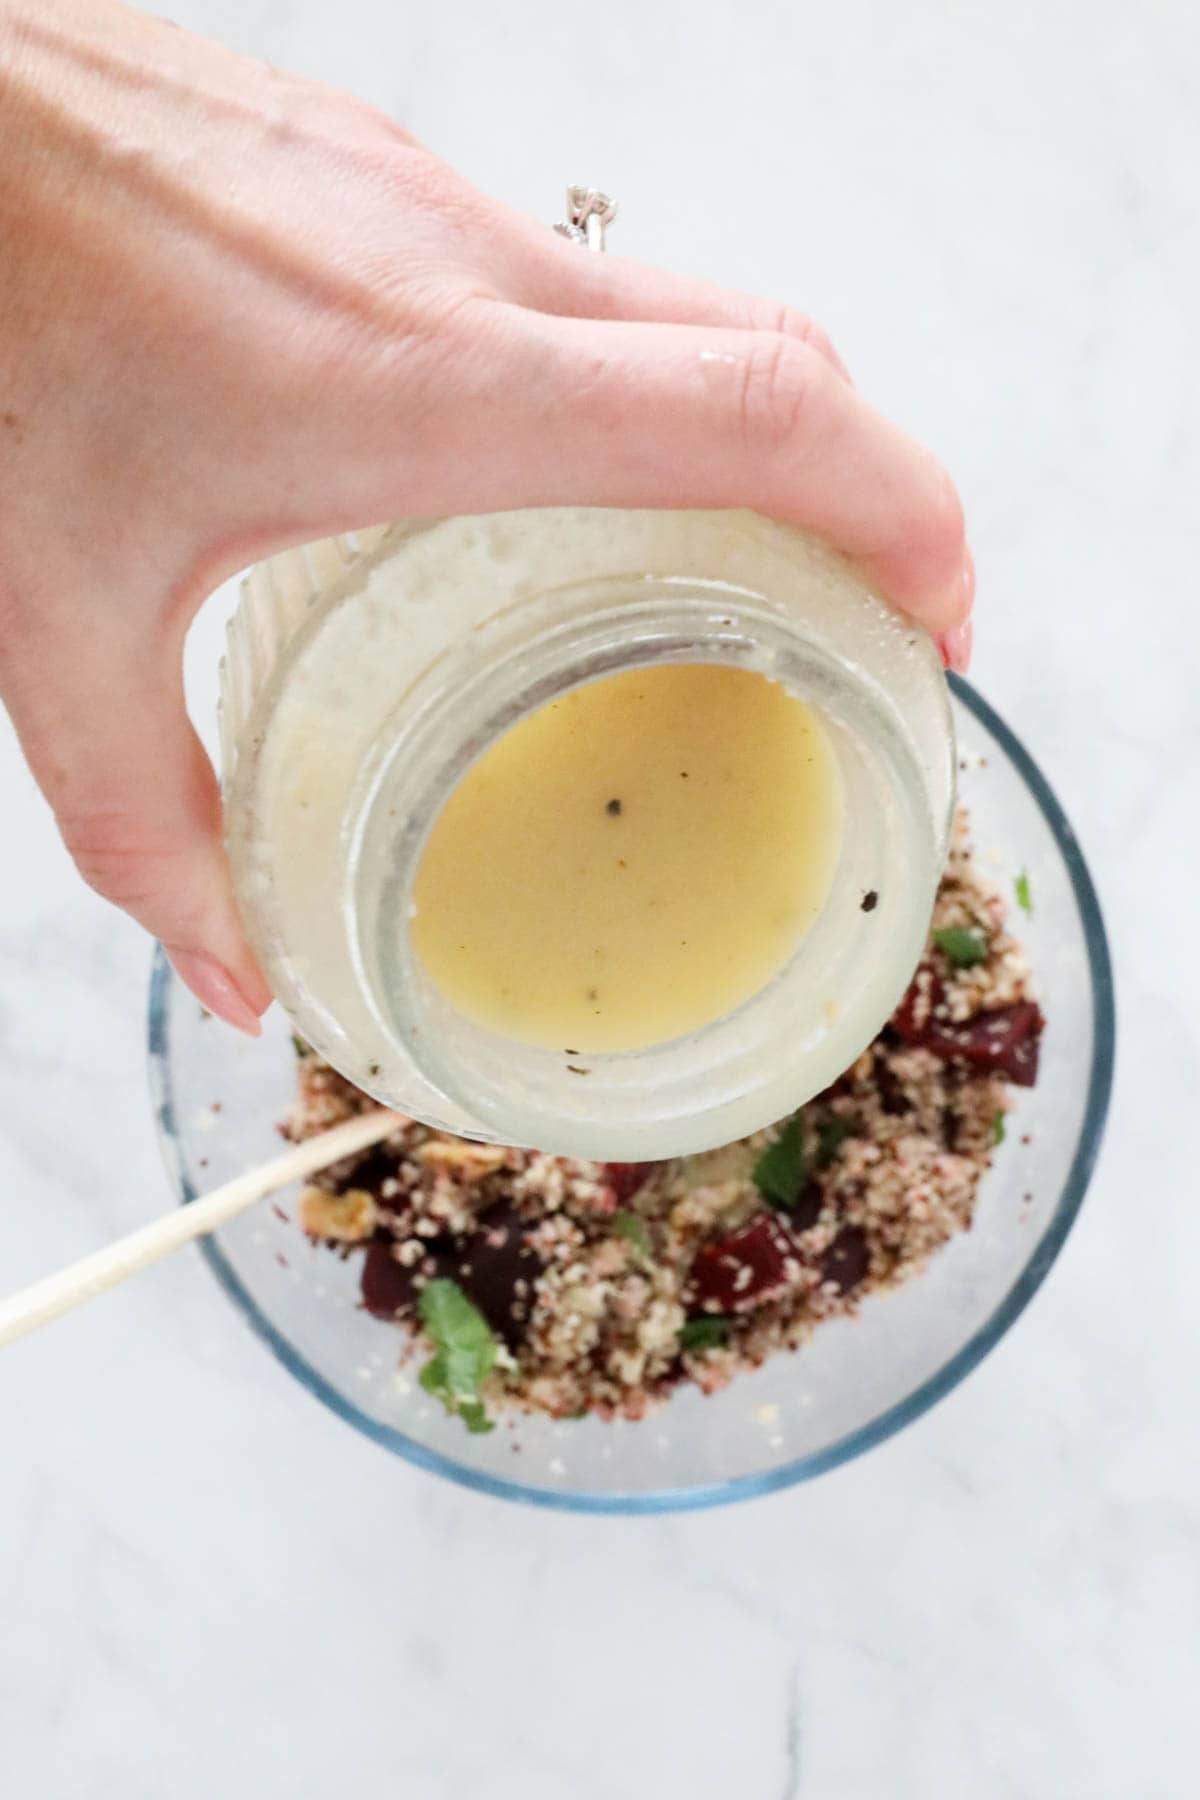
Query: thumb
[(135, 797)]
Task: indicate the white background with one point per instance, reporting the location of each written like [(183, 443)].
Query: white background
[(211, 1588)]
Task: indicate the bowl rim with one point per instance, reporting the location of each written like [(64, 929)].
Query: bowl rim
[(886, 1423)]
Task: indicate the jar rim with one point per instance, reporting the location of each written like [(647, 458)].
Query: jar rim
[(727, 1077)]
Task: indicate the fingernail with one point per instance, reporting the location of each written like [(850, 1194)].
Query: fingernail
[(215, 988), (968, 579), (955, 646)]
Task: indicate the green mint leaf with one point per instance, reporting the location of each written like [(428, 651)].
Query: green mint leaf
[(433, 1379), (453, 1323), (464, 1351), (831, 1135), (998, 1128), (706, 1333), (964, 948), (299, 1045), (627, 1225), (782, 1169), (1022, 891)]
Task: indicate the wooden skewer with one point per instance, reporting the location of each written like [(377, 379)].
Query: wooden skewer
[(56, 1294)]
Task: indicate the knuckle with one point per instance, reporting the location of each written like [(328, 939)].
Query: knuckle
[(460, 317), (114, 858), (449, 223), (381, 125), (789, 322), (778, 383)]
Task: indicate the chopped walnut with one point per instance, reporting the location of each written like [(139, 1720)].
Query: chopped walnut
[(462, 1160), (346, 1218)]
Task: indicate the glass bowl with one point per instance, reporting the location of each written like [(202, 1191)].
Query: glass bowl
[(219, 1098)]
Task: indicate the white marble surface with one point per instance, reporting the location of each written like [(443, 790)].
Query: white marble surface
[(209, 1586)]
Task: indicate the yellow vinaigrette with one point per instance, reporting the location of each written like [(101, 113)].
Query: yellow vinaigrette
[(632, 861)]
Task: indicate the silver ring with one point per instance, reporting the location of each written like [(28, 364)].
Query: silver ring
[(589, 214)]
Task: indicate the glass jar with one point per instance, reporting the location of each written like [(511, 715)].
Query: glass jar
[(366, 674)]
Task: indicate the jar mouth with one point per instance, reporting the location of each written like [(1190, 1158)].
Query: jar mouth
[(729, 1077)]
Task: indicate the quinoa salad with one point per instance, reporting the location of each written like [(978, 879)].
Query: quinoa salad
[(535, 1283)]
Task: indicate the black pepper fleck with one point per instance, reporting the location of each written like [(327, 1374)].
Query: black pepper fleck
[(870, 900), (613, 808)]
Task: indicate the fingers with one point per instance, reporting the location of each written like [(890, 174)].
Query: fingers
[(110, 744), (613, 287), (604, 413)]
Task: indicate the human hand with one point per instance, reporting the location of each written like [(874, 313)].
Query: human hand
[(239, 310)]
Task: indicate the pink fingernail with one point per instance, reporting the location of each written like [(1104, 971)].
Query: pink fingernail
[(955, 646), (215, 989)]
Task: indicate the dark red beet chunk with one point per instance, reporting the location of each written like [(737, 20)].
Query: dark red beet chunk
[(847, 1259), (914, 1015), (489, 1264), (388, 1288), (1002, 1042), (742, 1271), (376, 1167), (807, 1209), (892, 1097), (626, 1178)]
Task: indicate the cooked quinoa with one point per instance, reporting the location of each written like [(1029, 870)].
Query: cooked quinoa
[(604, 1285)]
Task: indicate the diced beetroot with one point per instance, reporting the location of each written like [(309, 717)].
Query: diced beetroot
[(892, 1097), (487, 1263), (388, 1287), (745, 1269), (1004, 1041), (848, 1259), (626, 1178), (490, 1264), (372, 1170), (914, 1015), (807, 1209)]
